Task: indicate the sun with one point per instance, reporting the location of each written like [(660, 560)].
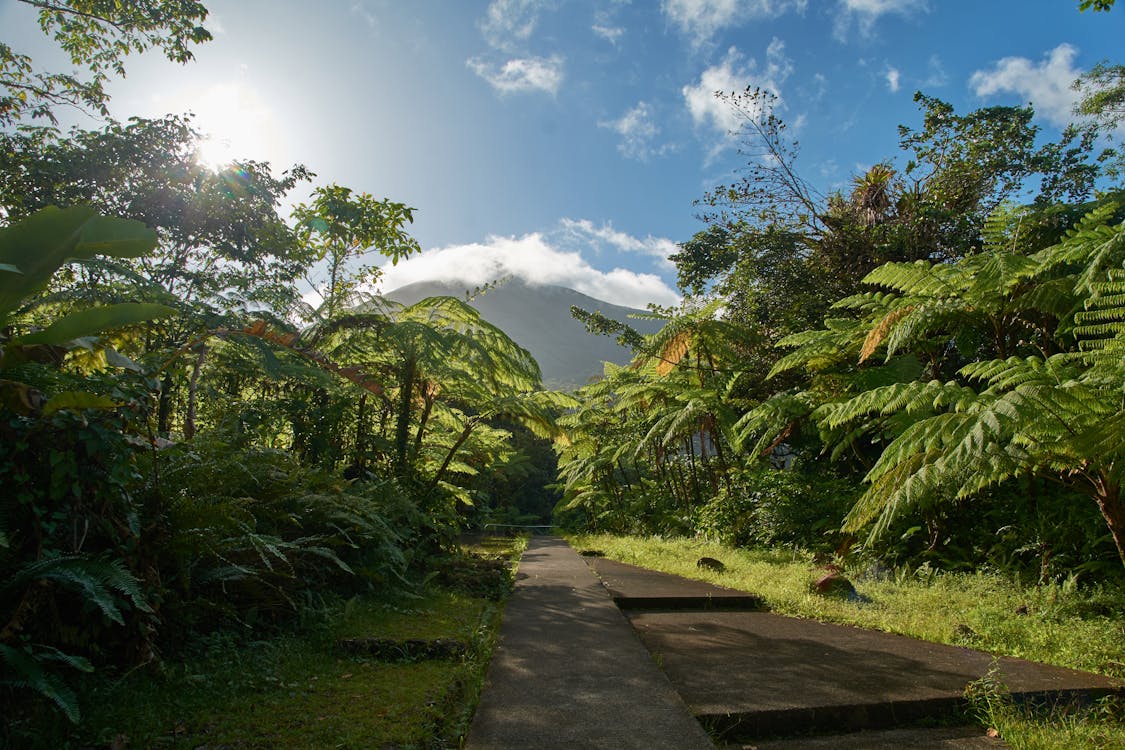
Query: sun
[(234, 123)]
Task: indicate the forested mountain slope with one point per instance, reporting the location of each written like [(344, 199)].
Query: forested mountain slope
[(538, 319)]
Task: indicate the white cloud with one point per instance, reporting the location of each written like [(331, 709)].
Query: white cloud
[(937, 76), (892, 76), (507, 23), (732, 75), (535, 259), (519, 75), (215, 24), (702, 19), (864, 13), (364, 12), (638, 129), (817, 89), (610, 33), (584, 231), (1046, 85)]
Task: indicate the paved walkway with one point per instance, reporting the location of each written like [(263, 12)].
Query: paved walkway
[(569, 671)]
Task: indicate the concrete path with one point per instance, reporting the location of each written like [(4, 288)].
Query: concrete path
[(754, 674), (569, 671)]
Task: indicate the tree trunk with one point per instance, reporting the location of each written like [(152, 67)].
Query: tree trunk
[(427, 407), (1110, 503), (453, 452), (360, 431), (402, 418), (164, 408), (694, 472), (193, 391)]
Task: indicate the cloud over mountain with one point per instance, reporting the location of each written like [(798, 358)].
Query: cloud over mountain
[(545, 258)]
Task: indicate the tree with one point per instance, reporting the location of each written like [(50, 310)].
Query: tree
[(223, 248), (1039, 329), (98, 35), (771, 192), (1102, 94), (443, 372), (338, 228)]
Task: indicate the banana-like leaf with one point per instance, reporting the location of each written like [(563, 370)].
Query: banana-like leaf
[(36, 247), (77, 400), (96, 320)]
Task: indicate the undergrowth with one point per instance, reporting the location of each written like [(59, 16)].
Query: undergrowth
[(298, 689)]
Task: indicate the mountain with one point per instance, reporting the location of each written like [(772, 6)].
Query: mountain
[(538, 319)]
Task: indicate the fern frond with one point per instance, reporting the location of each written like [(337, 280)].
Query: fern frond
[(25, 670), (880, 330), (762, 425), (96, 579), (918, 279)]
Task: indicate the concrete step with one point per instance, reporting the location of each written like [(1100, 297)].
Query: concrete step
[(756, 674), (942, 738), (634, 588), (746, 673)]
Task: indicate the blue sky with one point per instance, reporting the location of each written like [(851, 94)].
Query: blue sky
[(565, 140)]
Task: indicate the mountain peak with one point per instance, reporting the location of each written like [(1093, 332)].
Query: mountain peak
[(537, 317)]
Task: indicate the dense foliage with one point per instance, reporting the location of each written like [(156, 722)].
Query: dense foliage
[(187, 446), (920, 369), (925, 369)]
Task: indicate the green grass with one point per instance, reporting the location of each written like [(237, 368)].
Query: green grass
[(1081, 629), (299, 690), (1100, 727)]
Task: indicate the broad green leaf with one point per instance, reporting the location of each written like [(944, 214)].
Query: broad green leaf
[(41, 243), (96, 320), (78, 400), (115, 358)]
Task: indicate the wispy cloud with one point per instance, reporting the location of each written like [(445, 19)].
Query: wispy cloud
[(509, 23), (537, 259), (936, 76), (606, 26), (507, 27), (734, 73), (611, 34), (638, 131), (588, 234), (702, 19), (1046, 84), (892, 76), (864, 13), (521, 75), (363, 11)]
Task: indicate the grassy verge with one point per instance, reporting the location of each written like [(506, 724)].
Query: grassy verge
[(1056, 624), (301, 690)]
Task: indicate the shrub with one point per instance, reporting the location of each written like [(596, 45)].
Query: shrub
[(766, 506)]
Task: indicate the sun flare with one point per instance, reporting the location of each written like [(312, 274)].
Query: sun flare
[(234, 123)]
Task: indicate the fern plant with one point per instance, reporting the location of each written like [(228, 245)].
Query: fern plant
[(102, 583), (1060, 416)]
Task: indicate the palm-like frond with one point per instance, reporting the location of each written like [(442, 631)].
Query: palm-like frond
[(30, 669), (99, 581)]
